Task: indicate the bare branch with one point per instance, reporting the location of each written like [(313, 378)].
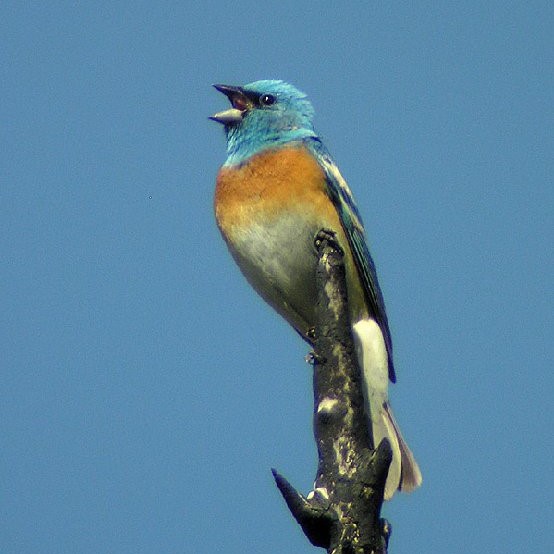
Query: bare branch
[(342, 514)]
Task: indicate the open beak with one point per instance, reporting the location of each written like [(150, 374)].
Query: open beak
[(240, 102)]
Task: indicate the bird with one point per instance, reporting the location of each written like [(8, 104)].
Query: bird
[(277, 188)]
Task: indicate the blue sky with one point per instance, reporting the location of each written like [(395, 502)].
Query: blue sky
[(146, 390)]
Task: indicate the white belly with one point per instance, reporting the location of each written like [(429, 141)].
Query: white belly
[(279, 261)]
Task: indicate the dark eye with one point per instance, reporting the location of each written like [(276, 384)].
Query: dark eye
[(267, 99)]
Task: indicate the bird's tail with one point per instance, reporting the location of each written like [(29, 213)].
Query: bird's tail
[(404, 473)]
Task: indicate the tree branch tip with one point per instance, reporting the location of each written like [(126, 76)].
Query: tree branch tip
[(386, 530), (383, 453), (384, 448), (290, 494), (314, 517)]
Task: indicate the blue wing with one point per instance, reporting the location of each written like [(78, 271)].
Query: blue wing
[(352, 224)]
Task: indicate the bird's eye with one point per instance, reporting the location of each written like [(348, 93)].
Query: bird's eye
[(267, 99)]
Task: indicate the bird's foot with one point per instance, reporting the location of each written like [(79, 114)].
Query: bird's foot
[(314, 358), (327, 237)]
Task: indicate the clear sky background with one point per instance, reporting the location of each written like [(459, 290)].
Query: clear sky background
[(146, 391)]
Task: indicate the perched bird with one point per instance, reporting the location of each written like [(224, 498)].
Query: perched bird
[(278, 187)]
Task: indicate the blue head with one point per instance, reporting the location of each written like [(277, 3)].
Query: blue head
[(265, 114)]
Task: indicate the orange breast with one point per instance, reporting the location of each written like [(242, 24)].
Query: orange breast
[(269, 211), (270, 183)]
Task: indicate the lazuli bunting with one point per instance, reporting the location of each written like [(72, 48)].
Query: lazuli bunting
[(278, 187)]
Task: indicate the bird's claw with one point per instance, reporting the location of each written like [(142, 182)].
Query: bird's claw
[(326, 237), (314, 358)]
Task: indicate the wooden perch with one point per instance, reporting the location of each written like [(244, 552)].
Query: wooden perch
[(342, 513)]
